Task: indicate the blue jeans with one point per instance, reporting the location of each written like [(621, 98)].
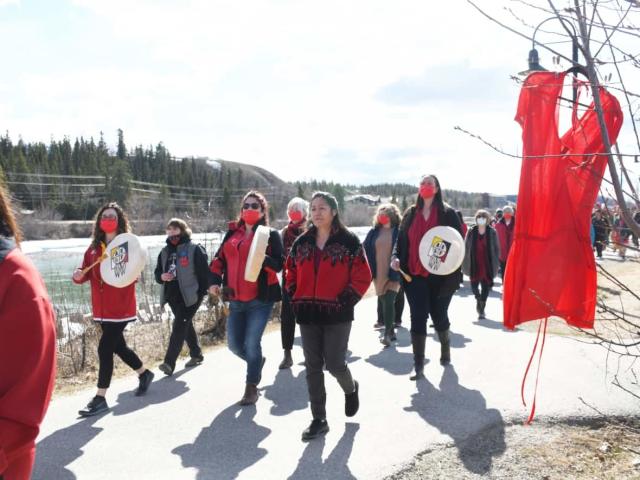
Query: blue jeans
[(245, 325)]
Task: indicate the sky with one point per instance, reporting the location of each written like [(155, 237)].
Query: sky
[(358, 91)]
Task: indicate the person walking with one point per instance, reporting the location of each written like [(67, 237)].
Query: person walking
[(505, 228)]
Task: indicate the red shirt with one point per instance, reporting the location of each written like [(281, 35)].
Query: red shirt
[(236, 252), (418, 228), (27, 360), (481, 271)]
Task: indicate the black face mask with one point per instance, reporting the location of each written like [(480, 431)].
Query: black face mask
[(173, 239)]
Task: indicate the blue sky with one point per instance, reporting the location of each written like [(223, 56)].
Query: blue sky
[(363, 91)]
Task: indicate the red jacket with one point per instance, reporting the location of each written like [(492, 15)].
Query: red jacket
[(27, 359), (109, 304), (328, 293), (505, 237), (230, 260)]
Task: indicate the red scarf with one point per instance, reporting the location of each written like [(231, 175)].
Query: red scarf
[(420, 226)]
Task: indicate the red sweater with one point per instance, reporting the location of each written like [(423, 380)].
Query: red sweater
[(109, 304), (505, 237), (326, 293), (27, 360)]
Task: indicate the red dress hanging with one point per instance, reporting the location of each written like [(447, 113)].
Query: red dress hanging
[(551, 269)]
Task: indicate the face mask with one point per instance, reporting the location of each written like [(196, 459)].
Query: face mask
[(108, 225), (174, 239), (383, 219), (250, 217), (481, 221), (508, 216), (296, 216), (427, 191)]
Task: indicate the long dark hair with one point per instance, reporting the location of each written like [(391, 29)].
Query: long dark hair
[(123, 224), (8, 225), (263, 204), (437, 199), (336, 223)]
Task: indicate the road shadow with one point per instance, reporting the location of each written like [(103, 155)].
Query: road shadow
[(393, 361), (456, 340), (63, 447), (462, 414), (488, 323), (287, 392), (226, 447), (312, 467), (160, 391)]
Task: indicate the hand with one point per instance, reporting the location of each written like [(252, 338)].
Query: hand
[(395, 264), (167, 277), (77, 275), (214, 290)]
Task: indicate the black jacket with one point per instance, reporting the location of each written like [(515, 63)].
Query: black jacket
[(449, 218)]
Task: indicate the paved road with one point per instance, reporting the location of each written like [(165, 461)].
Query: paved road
[(189, 426)]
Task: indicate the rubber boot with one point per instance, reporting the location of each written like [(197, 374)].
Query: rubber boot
[(445, 350), (417, 343)]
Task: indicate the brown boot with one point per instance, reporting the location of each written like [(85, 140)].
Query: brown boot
[(250, 396)]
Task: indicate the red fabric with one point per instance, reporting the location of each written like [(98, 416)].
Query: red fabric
[(418, 228), (505, 237), (27, 362), (109, 304), (465, 229), (551, 268), (232, 260), (481, 272)]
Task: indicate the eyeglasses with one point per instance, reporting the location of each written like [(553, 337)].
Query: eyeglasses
[(253, 206)]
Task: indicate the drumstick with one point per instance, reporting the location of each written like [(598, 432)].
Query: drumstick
[(405, 276), (85, 270)]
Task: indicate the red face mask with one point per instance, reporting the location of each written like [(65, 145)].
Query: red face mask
[(508, 216), (250, 217), (427, 191), (296, 216), (108, 225), (383, 219)]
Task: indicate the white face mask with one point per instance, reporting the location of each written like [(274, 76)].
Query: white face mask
[(481, 221)]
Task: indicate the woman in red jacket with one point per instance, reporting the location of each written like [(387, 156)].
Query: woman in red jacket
[(113, 309), (505, 228), (327, 274), (27, 350), (250, 303)]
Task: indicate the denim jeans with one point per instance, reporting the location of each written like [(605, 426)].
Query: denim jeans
[(245, 325)]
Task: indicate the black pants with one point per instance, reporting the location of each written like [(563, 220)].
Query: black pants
[(112, 341), (424, 301), (399, 306), (503, 265), (481, 290), (599, 248), (182, 330), (325, 346), (287, 322)]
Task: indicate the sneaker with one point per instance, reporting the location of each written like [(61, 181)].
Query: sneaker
[(94, 407), (315, 429), (351, 402), (287, 361), (144, 380), (194, 361), (378, 325), (166, 369)]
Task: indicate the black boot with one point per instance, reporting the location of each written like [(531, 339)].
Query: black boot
[(417, 343), (478, 306), (445, 350), (287, 361), (481, 315), (351, 402)]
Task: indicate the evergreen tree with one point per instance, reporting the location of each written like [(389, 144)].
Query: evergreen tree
[(121, 152)]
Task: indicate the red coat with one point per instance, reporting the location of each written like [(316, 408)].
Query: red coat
[(326, 293), (109, 304), (505, 237), (27, 360)]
